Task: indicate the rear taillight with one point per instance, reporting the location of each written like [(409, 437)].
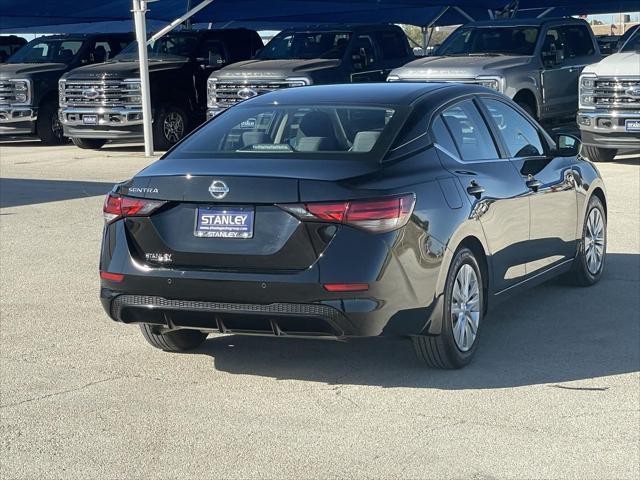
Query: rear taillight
[(375, 215), (116, 206)]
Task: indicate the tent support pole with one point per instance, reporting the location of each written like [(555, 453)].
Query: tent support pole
[(427, 31), (139, 11), (548, 10), (464, 14), (179, 20)]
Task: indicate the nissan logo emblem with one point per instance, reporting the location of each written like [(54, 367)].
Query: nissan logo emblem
[(218, 189), (246, 93)]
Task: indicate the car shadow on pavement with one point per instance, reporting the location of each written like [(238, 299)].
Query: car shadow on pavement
[(551, 334), (15, 192)]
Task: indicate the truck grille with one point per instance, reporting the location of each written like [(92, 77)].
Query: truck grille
[(224, 94), (7, 92), (617, 93), (105, 93)]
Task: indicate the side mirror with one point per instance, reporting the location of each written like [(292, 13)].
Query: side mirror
[(567, 145)]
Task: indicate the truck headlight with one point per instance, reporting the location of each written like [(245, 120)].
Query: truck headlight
[(211, 92), (298, 81), (132, 90), (22, 90), (494, 83), (587, 86)]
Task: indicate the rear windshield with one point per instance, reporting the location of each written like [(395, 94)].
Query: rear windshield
[(301, 131)]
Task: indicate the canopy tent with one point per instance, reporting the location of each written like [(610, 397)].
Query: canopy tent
[(32, 16)]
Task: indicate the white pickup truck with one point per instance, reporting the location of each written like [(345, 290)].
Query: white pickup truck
[(609, 106)]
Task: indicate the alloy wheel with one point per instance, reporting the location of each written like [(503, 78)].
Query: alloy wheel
[(465, 307), (173, 127), (594, 241)]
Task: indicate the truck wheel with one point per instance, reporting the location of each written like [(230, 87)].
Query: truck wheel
[(170, 127), (89, 143), (597, 154), (589, 263), (461, 319), (48, 126), (173, 341)]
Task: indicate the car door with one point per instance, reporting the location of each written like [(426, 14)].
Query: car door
[(365, 60), (550, 186), (495, 189)]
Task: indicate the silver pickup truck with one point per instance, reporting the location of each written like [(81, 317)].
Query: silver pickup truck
[(536, 62)]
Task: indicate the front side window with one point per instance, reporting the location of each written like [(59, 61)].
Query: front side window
[(293, 132), (48, 51), (469, 132), (576, 41), (491, 41), (306, 45), (519, 136), (392, 45), (169, 47)]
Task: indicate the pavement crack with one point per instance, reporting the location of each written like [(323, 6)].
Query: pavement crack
[(63, 392), (585, 389)]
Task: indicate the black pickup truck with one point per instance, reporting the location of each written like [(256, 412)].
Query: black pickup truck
[(103, 102), (312, 55), (29, 80)]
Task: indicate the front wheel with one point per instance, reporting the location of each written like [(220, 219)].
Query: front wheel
[(48, 125), (462, 317), (589, 263), (169, 127), (597, 154), (174, 340), (89, 143)]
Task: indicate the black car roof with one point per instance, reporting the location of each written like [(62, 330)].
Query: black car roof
[(391, 94), (357, 28), (81, 36)]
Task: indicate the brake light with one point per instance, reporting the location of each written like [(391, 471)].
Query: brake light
[(116, 206), (375, 215), (346, 287), (114, 277)]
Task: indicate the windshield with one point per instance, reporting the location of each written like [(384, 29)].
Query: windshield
[(633, 44), (44, 50), (306, 45), (169, 47), (299, 132), (491, 41)]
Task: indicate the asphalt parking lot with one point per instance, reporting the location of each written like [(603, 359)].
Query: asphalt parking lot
[(554, 391)]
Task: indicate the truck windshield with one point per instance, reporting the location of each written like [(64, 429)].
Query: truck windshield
[(491, 41), (43, 50), (306, 45), (169, 47), (633, 44), (296, 132)]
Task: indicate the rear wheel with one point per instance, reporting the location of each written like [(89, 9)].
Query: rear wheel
[(461, 320), (170, 127), (173, 341), (48, 125), (89, 143), (589, 263), (597, 154)]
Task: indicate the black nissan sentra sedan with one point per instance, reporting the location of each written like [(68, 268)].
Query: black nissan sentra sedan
[(351, 210)]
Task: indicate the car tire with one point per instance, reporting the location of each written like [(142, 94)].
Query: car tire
[(169, 127), (89, 143), (448, 350), (173, 341), (592, 252), (597, 154), (48, 126)]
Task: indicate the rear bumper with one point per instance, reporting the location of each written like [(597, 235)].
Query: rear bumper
[(17, 120)]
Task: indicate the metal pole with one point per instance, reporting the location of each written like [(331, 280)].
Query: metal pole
[(179, 20), (139, 10)]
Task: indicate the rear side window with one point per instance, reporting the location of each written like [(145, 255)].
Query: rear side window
[(442, 137), (519, 136), (469, 132), (392, 45)]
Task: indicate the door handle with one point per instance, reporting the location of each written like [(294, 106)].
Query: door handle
[(534, 184), (475, 189)]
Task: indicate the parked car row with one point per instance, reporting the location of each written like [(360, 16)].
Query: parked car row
[(195, 75)]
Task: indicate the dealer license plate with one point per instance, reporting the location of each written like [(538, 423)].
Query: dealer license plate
[(224, 222), (632, 125), (90, 119)]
